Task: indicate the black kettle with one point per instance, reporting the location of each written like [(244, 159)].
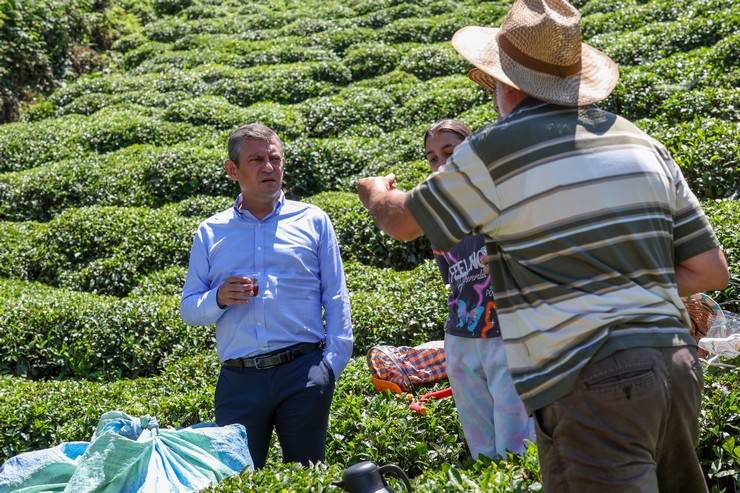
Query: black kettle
[(367, 477)]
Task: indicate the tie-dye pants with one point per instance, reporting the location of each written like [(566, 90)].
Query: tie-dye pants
[(492, 414)]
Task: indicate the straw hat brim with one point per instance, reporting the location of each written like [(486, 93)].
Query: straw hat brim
[(595, 81)]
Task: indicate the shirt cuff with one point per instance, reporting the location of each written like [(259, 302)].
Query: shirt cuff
[(209, 304), (335, 362)]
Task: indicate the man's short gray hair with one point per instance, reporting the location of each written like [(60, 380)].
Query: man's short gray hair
[(255, 131)]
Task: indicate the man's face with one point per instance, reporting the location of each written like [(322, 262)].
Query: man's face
[(260, 169)]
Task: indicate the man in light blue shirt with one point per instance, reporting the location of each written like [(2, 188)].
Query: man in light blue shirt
[(262, 271)]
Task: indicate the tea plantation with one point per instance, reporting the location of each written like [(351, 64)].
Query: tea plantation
[(104, 178)]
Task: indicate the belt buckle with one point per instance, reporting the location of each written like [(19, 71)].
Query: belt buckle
[(258, 362)]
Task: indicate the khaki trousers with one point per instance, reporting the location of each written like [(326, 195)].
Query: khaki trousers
[(629, 425)]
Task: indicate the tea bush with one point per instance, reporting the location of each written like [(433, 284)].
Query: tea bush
[(706, 152), (104, 181), (81, 247), (340, 39), (410, 309), (433, 101), (395, 82), (643, 89), (719, 450), (371, 59), (363, 425), (88, 104), (48, 138), (60, 333), (712, 102), (142, 52), (414, 29), (271, 54), (166, 282), (107, 250), (636, 16), (27, 145), (360, 239), (434, 60), (724, 215), (216, 111), (110, 130), (136, 175), (202, 206), (91, 248), (317, 165), (39, 414), (330, 115), (282, 83), (384, 16), (660, 39)]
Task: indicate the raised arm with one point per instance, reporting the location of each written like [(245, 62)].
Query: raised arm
[(387, 206)]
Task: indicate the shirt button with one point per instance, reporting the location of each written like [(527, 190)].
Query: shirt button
[(259, 248)]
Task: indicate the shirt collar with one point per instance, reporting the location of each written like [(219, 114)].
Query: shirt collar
[(246, 214), (527, 103)]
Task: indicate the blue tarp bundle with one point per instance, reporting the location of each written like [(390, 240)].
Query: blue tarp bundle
[(128, 454)]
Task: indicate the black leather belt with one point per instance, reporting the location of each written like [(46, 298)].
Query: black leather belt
[(273, 359)]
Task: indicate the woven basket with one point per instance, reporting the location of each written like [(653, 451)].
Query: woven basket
[(702, 311)]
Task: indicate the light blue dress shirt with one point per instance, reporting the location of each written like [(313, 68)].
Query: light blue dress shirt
[(294, 253)]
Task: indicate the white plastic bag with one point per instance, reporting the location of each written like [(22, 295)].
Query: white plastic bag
[(723, 337)]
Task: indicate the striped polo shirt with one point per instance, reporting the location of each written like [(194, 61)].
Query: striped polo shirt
[(586, 217)]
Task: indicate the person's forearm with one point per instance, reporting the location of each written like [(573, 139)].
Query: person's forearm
[(388, 210), (706, 271)]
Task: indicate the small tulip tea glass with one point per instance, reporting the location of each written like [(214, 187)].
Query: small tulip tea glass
[(253, 281)]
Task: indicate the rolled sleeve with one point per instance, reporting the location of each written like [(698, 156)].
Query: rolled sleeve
[(335, 300)]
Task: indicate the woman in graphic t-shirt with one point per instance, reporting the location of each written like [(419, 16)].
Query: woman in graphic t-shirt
[(492, 414)]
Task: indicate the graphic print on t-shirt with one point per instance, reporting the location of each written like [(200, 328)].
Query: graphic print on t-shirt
[(472, 309)]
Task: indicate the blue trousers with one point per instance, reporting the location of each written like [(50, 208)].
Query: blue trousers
[(293, 398)]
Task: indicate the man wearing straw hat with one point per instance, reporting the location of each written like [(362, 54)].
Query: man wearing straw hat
[(593, 237)]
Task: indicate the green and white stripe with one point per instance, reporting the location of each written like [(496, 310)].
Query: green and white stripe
[(587, 217)]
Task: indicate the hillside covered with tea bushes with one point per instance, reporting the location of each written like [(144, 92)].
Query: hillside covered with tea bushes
[(116, 153)]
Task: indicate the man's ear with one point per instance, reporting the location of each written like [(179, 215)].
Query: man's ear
[(230, 167)]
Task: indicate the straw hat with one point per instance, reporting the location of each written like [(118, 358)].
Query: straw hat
[(538, 50)]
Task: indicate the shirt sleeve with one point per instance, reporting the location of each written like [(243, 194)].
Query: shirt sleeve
[(692, 233), (198, 305), (335, 300), (455, 201)]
